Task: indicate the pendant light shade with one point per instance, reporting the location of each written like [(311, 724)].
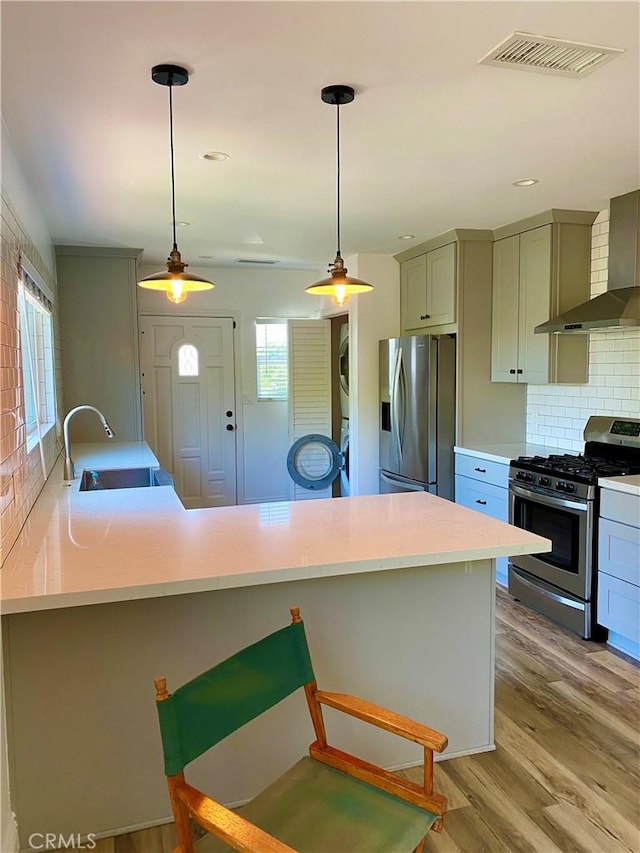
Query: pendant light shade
[(339, 286), (174, 280)]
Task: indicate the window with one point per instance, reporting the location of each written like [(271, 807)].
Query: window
[(36, 343), (272, 356), (187, 360)]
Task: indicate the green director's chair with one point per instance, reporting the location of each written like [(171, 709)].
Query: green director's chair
[(330, 802)]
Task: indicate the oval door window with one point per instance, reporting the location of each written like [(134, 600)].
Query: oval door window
[(314, 461)]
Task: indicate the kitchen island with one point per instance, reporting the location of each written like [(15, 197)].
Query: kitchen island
[(105, 590)]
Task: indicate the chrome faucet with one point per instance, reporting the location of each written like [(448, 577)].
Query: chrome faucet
[(69, 468)]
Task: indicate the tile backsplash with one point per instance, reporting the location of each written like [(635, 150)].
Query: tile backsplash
[(21, 474), (557, 414)]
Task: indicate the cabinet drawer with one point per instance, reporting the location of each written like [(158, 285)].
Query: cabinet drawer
[(619, 606), (619, 550), (496, 473), (483, 497), (620, 506)]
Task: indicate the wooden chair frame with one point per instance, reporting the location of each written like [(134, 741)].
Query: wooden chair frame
[(244, 836)]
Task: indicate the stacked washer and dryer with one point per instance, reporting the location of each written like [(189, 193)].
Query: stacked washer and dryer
[(315, 461), (343, 376)]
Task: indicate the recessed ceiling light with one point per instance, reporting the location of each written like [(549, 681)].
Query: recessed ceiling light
[(214, 155), (206, 257), (182, 224), (526, 182), (406, 237)]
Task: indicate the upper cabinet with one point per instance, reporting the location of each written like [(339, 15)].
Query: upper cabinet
[(449, 278), (541, 267), (99, 338), (521, 294), (428, 289)]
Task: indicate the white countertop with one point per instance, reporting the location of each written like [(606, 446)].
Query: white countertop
[(629, 485), (80, 548), (506, 452)]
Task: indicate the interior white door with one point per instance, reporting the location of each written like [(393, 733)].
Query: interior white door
[(189, 407)]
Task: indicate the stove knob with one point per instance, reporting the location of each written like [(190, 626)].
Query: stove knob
[(561, 486), (544, 481), (570, 487)]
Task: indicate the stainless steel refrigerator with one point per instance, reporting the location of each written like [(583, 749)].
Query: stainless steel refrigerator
[(417, 414)]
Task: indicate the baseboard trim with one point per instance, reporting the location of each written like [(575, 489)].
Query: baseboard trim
[(10, 842), (438, 757)]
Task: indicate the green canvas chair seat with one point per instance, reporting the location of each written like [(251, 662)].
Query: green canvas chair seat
[(316, 809), (330, 802)]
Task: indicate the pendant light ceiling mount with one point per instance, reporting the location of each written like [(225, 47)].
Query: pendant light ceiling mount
[(170, 75), (174, 280), (338, 95), (339, 285)]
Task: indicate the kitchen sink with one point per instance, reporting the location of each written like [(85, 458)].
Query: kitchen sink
[(123, 478)]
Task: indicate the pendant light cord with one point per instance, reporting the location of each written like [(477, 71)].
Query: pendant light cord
[(338, 174), (173, 182)]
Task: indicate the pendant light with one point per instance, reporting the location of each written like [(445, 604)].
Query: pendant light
[(339, 285), (174, 280)]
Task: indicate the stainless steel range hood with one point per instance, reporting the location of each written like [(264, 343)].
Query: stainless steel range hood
[(619, 307)]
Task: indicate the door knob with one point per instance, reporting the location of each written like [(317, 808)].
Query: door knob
[(230, 427)]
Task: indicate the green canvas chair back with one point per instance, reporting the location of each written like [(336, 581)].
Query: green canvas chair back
[(216, 703)]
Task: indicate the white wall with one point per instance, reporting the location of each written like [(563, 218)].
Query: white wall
[(372, 316), (247, 294), (16, 188), (557, 414)]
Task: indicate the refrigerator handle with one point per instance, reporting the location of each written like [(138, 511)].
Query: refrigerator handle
[(433, 392), (395, 397), (403, 385), (405, 484)]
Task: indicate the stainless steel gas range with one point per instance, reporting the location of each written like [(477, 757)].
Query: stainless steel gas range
[(558, 497)]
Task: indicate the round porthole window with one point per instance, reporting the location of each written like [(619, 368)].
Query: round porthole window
[(314, 461)]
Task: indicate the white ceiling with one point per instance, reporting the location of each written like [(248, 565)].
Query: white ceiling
[(432, 141)]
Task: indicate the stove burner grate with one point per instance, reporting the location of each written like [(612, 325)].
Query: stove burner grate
[(579, 467)]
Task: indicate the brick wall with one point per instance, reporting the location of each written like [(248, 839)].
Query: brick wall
[(557, 414), (21, 476)]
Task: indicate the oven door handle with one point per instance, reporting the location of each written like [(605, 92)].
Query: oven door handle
[(548, 500), (561, 599)]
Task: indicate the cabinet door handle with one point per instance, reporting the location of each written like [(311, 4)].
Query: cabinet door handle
[(230, 427), (484, 503), (481, 470), (519, 370), (512, 371), (425, 316)]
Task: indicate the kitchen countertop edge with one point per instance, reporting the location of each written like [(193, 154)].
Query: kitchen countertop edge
[(630, 485), (504, 453)]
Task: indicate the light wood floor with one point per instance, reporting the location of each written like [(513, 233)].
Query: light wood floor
[(566, 771)]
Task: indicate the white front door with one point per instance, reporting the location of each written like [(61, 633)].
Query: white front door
[(189, 405)]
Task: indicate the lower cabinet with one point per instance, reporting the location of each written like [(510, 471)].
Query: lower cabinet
[(482, 485), (619, 569)]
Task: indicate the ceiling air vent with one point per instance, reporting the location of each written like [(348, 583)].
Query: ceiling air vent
[(548, 55), (253, 261)]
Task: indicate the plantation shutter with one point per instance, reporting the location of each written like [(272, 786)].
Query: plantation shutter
[(309, 389)]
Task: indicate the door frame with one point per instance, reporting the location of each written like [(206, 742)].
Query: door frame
[(184, 311)]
